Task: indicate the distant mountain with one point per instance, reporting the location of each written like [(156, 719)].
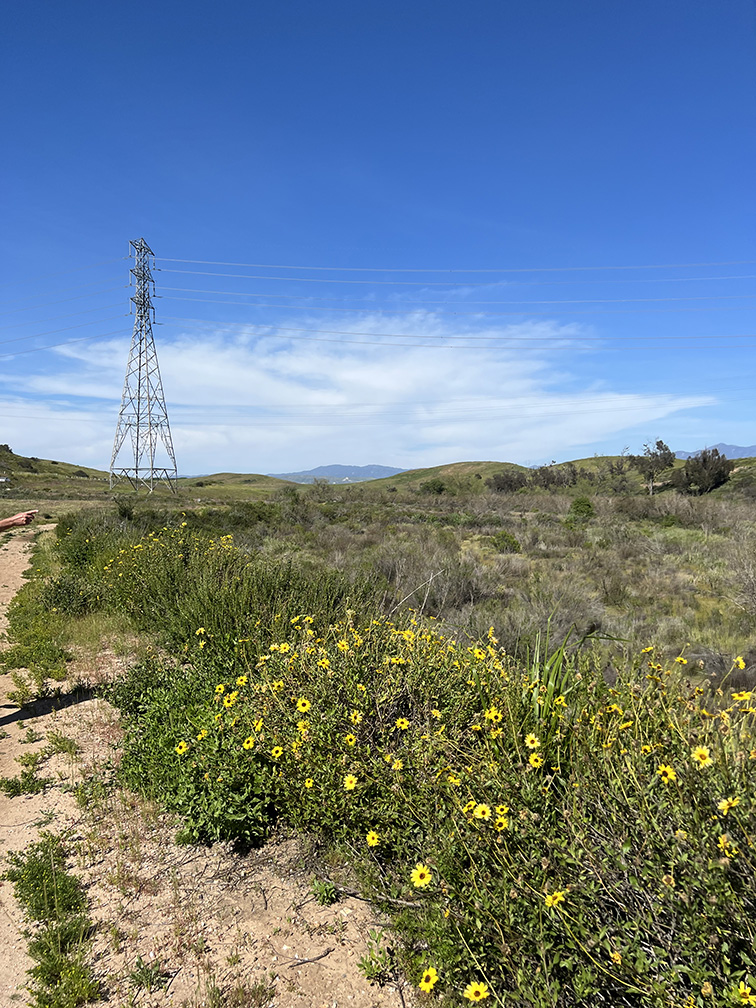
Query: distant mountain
[(732, 451), (339, 474)]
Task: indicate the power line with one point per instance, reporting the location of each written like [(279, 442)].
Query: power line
[(434, 269), (56, 318), (403, 311), (525, 338), (319, 280), (46, 304), (54, 346), (75, 269), (521, 311), (411, 304), (52, 332)]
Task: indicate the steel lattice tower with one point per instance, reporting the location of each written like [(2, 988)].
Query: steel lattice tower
[(143, 415)]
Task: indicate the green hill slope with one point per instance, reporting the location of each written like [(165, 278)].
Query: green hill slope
[(456, 476)]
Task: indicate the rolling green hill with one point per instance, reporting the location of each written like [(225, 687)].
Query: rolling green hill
[(457, 476), (31, 479)]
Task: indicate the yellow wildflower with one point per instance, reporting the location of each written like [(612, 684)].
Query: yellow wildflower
[(428, 980), (701, 756), (667, 773), (555, 898), (350, 782), (726, 804), (744, 995), (532, 741), (372, 839), (475, 991), (421, 876)]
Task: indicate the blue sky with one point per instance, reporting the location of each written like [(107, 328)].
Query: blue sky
[(366, 164)]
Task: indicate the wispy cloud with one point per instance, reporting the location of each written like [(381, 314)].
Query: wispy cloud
[(250, 399)]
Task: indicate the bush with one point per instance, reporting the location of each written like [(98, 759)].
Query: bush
[(505, 542), (433, 486), (581, 509), (600, 836)]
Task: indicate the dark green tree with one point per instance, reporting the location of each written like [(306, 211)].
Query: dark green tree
[(703, 472), (653, 462)]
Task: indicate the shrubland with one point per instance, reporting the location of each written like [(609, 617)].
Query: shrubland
[(548, 816)]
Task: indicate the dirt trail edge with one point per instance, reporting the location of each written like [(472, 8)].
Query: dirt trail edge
[(191, 927)]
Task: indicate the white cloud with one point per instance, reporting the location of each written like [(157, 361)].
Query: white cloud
[(242, 401)]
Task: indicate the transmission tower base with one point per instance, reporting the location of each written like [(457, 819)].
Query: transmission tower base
[(153, 478)]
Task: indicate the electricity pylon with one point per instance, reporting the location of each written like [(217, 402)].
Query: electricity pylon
[(143, 414)]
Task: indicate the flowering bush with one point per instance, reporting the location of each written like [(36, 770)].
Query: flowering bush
[(539, 838)]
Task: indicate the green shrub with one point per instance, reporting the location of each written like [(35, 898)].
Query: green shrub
[(433, 486), (581, 509), (505, 542)]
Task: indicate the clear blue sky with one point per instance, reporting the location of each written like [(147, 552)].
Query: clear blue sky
[(531, 135)]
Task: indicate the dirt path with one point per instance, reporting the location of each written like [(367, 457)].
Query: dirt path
[(191, 927)]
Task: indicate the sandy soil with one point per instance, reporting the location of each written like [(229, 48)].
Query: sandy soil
[(210, 926)]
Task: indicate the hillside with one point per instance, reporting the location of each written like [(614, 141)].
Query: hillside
[(457, 476), (33, 480)]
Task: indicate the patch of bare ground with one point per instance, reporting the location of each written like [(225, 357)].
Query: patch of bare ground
[(184, 926)]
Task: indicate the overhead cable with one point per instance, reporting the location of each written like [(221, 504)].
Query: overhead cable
[(486, 269), (75, 269), (54, 346), (46, 304), (461, 304), (348, 332), (409, 304), (55, 318), (51, 332)]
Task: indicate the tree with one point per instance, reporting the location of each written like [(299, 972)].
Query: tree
[(704, 472), (653, 462), (507, 481)]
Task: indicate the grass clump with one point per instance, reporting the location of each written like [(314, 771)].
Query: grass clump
[(54, 901)]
